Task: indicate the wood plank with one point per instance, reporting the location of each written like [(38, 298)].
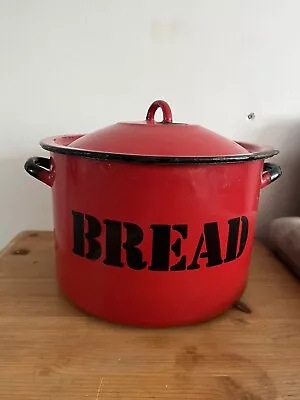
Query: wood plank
[(51, 350)]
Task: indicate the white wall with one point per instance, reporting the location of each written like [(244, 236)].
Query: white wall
[(76, 65)]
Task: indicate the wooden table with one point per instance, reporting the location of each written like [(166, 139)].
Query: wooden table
[(51, 350)]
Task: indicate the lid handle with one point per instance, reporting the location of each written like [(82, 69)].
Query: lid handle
[(165, 108)]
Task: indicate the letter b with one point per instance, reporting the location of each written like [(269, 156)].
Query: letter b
[(82, 237)]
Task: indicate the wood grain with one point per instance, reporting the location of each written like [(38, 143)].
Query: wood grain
[(51, 350)]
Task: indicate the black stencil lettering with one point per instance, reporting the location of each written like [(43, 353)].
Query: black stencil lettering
[(78, 233), (94, 231), (160, 247), (213, 247), (134, 255), (113, 243), (243, 236), (80, 237), (233, 238), (176, 248)]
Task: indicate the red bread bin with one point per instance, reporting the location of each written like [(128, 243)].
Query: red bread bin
[(154, 221)]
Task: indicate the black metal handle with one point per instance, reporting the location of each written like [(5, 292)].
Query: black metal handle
[(271, 173), (40, 168)]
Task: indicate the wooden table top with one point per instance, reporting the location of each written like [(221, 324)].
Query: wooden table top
[(51, 350)]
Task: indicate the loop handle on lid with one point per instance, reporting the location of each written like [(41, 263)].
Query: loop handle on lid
[(165, 108)]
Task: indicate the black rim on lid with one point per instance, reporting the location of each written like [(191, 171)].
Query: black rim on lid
[(150, 159)]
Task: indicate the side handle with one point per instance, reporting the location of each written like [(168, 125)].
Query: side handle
[(271, 173), (41, 168)]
